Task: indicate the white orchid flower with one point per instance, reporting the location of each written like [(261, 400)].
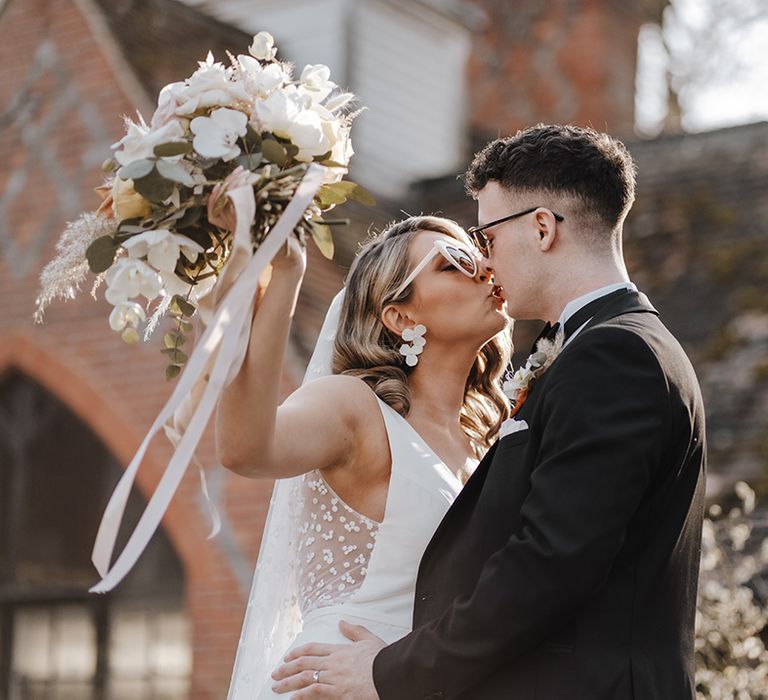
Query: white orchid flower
[(215, 136), (162, 248), (140, 141), (126, 313), (209, 86), (260, 81), (283, 113), (315, 82), (263, 47), (128, 278)]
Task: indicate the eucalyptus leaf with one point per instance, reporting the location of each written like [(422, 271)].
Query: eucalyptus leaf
[(176, 356), (250, 161), (174, 339), (132, 229), (274, 152), (172, 371), (172, 148), (329, 194), (344, 186), (183, 305), (360, 194), (252, 138), (186, 326), (131, 336), (101, 253), (333, 164), (191, 216), (137, 169), (154, 187), (173, 171), (323, 239)]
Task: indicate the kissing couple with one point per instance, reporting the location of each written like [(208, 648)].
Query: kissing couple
[(428, 538)]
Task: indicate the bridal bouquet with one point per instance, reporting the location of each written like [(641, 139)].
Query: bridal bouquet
[(235, 159), (230, 143)]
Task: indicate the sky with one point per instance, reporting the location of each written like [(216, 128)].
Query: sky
[(720, 52)]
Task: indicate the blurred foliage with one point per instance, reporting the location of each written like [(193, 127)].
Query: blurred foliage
[(732, 615)]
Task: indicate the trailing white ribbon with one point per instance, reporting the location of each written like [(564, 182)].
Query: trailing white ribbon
[(226, 337)]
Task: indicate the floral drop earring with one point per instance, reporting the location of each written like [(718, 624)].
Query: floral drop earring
[(416, 336)]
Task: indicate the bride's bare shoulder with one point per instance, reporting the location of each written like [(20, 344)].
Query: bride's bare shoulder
[(339, 394)]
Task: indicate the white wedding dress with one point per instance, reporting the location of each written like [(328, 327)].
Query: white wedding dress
[(320, 561), (359, 570)]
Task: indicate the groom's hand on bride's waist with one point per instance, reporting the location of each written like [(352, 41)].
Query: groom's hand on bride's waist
[(338, 671)]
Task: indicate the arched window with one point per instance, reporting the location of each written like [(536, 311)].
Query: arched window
[(57, 640)]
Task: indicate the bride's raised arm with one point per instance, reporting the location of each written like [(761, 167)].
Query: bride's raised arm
[(314, 428)]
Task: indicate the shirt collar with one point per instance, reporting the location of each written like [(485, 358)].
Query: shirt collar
[(573, 306)]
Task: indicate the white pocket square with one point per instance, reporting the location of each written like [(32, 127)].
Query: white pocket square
[(512, 425)]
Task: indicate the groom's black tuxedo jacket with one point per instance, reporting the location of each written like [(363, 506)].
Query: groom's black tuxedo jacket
[(567, 567)]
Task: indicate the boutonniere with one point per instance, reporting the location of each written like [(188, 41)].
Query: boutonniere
[(517, 385)]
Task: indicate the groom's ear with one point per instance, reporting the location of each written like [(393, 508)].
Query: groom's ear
[(546, 228), (394, 319)]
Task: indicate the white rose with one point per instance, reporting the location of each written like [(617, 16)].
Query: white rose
[(168, 101), (128, 278), (162, 248), (126, 313), (140, 141), (342, 150), (339, 141), (315, 82), (263, 47), (284, 115), (216, 136)]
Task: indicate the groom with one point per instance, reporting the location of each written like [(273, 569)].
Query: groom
[(567, 568)]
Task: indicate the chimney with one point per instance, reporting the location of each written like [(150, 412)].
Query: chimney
[(565, 61)]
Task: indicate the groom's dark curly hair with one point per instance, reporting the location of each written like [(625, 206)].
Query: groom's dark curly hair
[(590, 166)]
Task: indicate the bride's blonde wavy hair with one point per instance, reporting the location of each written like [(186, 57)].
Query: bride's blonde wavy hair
[(367, 349)]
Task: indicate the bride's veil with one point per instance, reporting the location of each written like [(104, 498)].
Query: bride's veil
[(272, 617)]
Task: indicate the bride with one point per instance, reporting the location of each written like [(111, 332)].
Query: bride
[(401, 399)]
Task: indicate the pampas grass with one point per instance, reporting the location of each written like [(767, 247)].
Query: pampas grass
[(61, 277)]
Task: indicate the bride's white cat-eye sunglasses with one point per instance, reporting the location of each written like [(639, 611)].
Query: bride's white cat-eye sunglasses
[(463, 260)]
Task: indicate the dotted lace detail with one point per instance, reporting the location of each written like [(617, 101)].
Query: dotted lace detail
[(335, 545)]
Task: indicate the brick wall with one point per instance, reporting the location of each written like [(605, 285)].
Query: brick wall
[(63, 87), (561, 61)]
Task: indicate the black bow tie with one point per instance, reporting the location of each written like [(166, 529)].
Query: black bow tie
[(579, 318)]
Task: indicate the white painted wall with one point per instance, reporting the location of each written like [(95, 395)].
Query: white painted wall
[(406, 60), (408, 64)]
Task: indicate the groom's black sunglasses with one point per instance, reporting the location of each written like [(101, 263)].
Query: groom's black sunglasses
[(477, 233)]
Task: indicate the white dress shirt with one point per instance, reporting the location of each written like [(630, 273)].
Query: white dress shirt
[(573, 306)]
